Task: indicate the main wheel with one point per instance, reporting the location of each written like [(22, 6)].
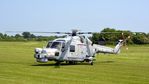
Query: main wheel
[(71, 62), (58, 63), (92, 63)]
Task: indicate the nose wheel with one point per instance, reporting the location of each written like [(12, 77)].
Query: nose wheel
[(91, 62)]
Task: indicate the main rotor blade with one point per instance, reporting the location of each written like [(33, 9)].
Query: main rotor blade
[(98, 32), (53, 32), (38, 32), (71, 32)]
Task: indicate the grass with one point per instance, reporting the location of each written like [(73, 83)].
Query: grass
[(17, 66)]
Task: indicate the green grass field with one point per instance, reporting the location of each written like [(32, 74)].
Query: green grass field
[(17, 66)]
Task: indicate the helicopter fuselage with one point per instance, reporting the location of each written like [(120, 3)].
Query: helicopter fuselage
[(73, 48), (69, 49)]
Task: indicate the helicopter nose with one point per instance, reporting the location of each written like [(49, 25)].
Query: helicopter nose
[(51, 51)]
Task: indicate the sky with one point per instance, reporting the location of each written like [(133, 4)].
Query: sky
[(64, 15)]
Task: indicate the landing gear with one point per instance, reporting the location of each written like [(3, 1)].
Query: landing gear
[(72, 62), (92, 63), (90, 60), (58, 63)]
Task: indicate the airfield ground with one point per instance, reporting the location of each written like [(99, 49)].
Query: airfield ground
[(17, 66)]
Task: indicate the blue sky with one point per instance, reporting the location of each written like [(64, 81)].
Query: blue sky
[(64, 15)]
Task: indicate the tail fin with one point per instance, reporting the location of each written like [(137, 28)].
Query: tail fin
[(118, 46)]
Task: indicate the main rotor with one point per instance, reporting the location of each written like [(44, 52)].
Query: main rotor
[(74, 32)]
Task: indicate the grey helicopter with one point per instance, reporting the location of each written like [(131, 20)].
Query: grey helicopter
[(73, 48)]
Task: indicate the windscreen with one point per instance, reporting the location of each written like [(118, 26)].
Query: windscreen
[(56, 45), (49, 45)]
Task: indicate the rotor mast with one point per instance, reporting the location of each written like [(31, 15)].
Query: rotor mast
[(74, 32)]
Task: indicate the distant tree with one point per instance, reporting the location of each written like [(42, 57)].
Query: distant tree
[(108, 30), (45, 38), (95, 38), (32, 36), (26, 34), (5, 36), (148, 35), (1, 36), (18, 36), (110, 37), (140, 38)]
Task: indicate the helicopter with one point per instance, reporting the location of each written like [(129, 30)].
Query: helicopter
[(73, 48)]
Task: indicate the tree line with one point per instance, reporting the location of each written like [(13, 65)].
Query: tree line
[(25, 36), (110, 36), (106, 36)]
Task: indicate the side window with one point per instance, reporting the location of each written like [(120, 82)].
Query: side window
[(72, 48), (63, 45), (48, 45)]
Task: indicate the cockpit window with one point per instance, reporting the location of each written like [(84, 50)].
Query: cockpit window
[(48, 45), (56, 45), (72, 48)]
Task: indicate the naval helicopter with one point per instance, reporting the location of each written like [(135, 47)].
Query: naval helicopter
[(75, 47)]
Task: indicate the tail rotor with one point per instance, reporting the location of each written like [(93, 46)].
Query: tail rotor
[(125, 40)]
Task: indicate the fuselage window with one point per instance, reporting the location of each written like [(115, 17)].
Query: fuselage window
[(72, 48)]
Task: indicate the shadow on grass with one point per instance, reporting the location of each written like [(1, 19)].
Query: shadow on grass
[(108, 61), (67, 64), (58, 66), (62, 64)]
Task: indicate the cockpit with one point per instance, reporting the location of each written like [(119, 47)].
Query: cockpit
[(56, 44)]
